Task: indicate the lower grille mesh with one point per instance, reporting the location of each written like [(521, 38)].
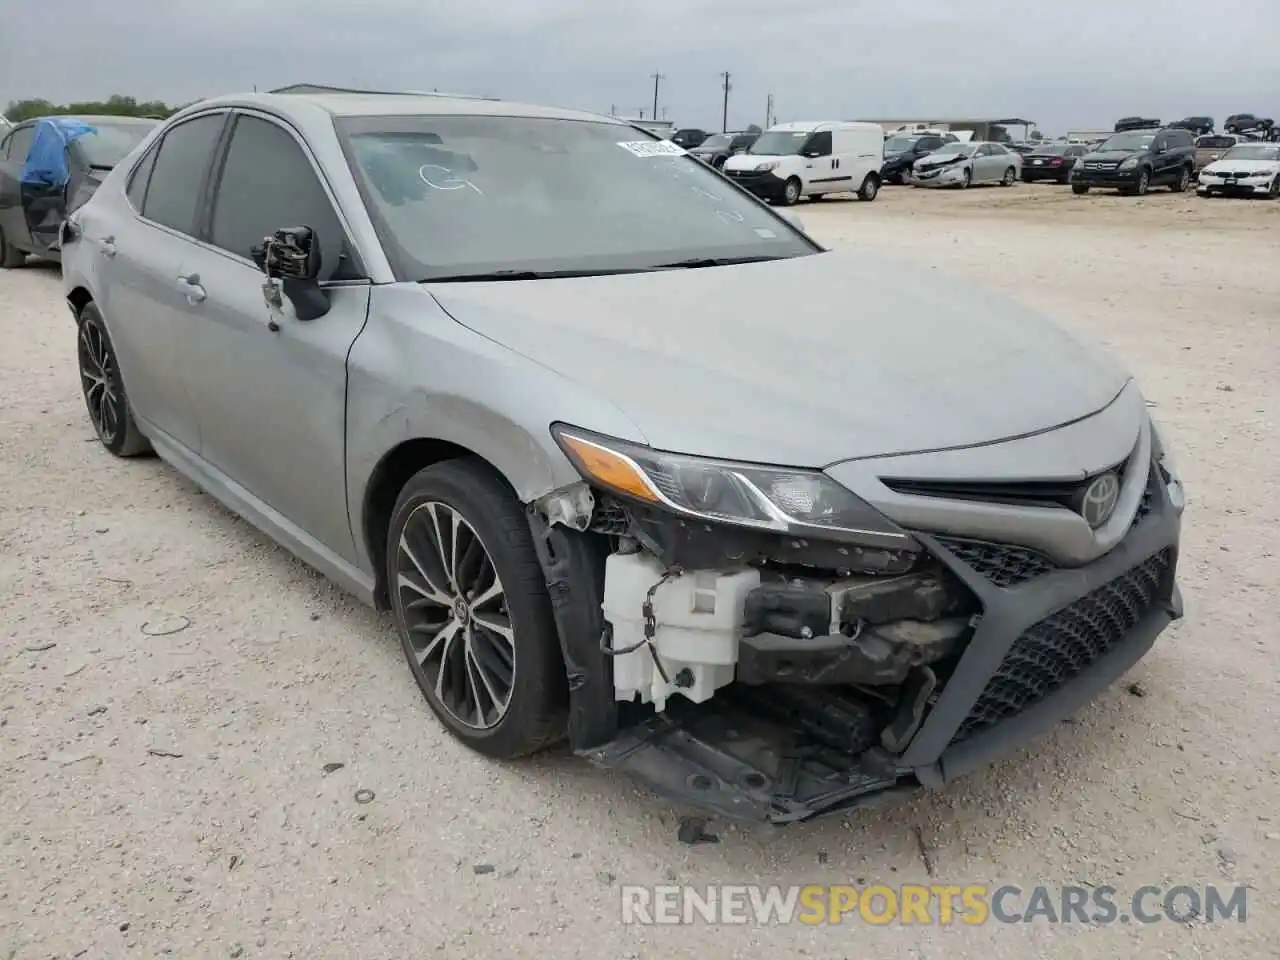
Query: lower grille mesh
[(1056, 649)]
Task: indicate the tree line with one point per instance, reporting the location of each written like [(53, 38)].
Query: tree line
[(116, 105)]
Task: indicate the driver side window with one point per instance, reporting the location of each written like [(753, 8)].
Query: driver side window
[(20, 143), (818, 145)]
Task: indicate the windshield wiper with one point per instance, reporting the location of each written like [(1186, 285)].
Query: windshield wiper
[(696, 263), (521, 275)]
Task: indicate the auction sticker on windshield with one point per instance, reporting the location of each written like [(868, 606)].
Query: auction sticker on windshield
[(652, 148)]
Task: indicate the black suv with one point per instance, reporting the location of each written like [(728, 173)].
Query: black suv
[(901, 152), (719, 147), (1136, 160)]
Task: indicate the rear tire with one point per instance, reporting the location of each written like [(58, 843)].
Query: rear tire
[(1079, 188), (1274, 192), (870, 188), (504, 693), (10, 256), (1182, 183), (103, 388)]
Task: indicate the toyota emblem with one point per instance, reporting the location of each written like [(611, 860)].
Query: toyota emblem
[(1099, 500)]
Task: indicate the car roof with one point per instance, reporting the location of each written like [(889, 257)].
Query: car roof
[(397, 105), (92, 118)]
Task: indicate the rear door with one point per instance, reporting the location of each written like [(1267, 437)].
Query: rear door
[(271, 389), (13, 154), (142, 241)]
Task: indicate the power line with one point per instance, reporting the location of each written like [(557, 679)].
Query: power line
[(657, 79), (724, 120)]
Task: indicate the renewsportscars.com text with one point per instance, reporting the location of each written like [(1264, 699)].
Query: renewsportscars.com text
[(933, 904)]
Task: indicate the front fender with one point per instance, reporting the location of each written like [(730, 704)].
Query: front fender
[(415, 373)]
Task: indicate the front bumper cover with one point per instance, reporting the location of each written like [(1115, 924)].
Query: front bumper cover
[(778, 758)]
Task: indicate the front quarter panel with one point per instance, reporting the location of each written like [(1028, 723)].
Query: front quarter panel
[(415, 373)]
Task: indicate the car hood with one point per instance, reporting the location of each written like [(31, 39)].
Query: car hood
[(1244, 166), (805, 361), (939, 160)]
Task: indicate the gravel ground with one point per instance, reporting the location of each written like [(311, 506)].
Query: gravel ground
[(173, 685)]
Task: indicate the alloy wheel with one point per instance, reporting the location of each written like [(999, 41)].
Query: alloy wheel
[(454, 611), (100, 380)]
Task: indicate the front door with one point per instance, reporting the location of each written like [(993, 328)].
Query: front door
[(270, 390), (820, 167), (13, 154)]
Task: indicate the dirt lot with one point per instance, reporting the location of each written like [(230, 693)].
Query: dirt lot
[(172, 685)]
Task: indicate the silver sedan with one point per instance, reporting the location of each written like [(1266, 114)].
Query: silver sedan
[(964, 164), (596, 427)]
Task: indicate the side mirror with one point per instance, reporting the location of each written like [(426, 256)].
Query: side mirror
[(292, 256)]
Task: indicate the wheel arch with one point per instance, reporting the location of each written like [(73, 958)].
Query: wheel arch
[(78, 297)]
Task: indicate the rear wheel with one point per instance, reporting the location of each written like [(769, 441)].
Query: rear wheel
[(870, 188), (10, 256), (472, 610), (1275, 188), (103, 388), (1008, 178), (1184, 180)]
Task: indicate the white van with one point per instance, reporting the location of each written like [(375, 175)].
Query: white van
[(810, 159)]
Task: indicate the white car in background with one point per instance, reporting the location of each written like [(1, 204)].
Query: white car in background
[(1246, 170), (963, 164)]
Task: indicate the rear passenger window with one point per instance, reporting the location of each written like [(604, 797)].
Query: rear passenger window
[(20, 143), (138, 180), (267, 184), (173, 190)]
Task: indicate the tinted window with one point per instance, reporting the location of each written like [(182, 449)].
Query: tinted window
[(819, 143), (174, 189), (928, 144), (267, 184), (1180, 138), (20, 143), (138, 180)]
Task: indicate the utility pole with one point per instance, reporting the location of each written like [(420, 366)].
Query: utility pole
[(768, 112), (657, 79), (724, 119)]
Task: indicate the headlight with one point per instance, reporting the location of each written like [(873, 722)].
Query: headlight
[(765, 167), (1129, 164), (778, 499)]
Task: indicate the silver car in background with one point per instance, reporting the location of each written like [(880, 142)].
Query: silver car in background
[(629, 457), (964, 164)]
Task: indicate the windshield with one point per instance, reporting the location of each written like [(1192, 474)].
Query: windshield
[(779, 143), (1253, 151), (899, 144), (1218, 143), (1128, 141), (111, 142), (455, 196), (717, 141)]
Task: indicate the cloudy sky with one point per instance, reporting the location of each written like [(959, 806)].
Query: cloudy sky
[(1079, 63)]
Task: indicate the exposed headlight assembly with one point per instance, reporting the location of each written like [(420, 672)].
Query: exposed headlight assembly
[(766, 166), (777, 499)]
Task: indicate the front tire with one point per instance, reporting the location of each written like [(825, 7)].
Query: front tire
[(103, 388), (791, 192), (1079, 188), (966, 179), (1009, 176), (870, 188), (471, 607), (1144, 184), (10, 256)]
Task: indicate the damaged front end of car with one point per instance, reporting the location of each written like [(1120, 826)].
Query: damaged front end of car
[(762, 644)]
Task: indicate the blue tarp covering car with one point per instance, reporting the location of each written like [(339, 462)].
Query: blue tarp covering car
[(47, 159)]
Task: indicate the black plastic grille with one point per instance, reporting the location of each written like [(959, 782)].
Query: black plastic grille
[(1053, 651), (1003, 564)]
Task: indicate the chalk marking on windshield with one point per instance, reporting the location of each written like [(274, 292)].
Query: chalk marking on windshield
[(450, 182), (730, 216)]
